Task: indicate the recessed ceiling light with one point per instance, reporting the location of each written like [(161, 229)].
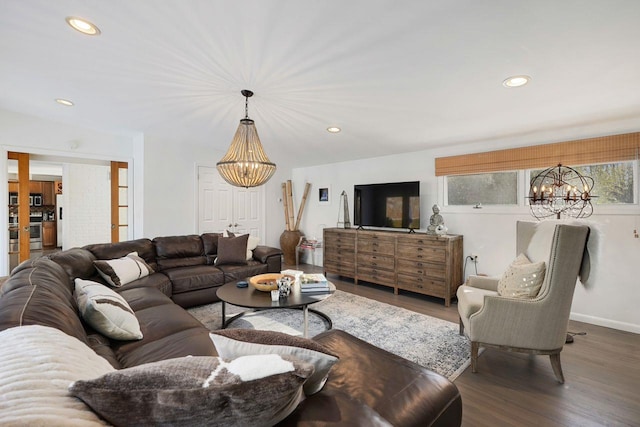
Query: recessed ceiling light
[(64, 102), (333, 129), (82, 25), (516, 81)]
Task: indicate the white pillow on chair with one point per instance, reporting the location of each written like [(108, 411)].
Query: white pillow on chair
[(523, 279)]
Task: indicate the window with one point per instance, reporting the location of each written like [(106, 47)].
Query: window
[(613, 182), (498, 188)]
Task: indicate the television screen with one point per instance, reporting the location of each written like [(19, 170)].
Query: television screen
[(395, 205)]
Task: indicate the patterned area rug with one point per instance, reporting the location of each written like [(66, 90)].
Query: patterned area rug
[(427, 341)]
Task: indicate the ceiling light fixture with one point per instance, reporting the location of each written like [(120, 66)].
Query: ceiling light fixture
[(561, 190), (82, 25), (64, 102), (516, 81), (246, 164), (333, 129)]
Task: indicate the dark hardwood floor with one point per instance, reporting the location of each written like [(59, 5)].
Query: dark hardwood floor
[(601, 369)]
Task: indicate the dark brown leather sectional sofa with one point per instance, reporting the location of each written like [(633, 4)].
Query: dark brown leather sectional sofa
[(368, 386)]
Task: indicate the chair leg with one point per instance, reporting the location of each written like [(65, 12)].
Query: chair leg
[(475, 346), (557, 368), (461, 326)]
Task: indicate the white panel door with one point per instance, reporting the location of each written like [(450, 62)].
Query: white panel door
[(224, 207), (249, 211)]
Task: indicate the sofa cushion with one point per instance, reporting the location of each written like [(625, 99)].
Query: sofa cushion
[(334, 408), (169, 331), (232, 250), (106, 311), (77, 262), (158, 281), (234, 343), (251, 390), (185, 279), (179, 251), (402, 392), (40, 293), (38, 364), (242, 272), (119, 272), (144, 247), (210, 243), (523, 279)]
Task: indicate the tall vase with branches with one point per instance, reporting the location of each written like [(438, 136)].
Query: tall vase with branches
[(291, 235)]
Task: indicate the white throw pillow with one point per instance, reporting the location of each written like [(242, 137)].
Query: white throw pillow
[(252, 243), (522, 279), (38, 364), (120, 271), (106, 311)]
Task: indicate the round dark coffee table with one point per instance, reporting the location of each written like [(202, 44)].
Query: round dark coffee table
[(256, 300)]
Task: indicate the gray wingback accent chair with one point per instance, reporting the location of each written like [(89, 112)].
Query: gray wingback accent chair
[(537, 325)]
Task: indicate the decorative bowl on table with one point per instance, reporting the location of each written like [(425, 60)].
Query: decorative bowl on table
[(267, 282)]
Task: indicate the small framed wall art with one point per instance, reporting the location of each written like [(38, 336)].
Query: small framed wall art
[(324, 195)]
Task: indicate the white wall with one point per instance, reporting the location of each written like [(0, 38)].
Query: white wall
[(613, 299), (170, 189), (88, 211), (25, 133)]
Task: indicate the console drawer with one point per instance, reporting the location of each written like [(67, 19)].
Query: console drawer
[(375, 246), (421, 268), (375, 275), (376, 261), (420, 253), (423, 285)]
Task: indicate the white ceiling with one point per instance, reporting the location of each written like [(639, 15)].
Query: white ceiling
[(396, 76)]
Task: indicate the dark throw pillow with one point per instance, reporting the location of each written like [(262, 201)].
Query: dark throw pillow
[(232, 250), (232, 343), (207, 391)]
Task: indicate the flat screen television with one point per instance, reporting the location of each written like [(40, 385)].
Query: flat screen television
[(394, 205)]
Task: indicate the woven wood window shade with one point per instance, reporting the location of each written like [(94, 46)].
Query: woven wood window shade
[(571, 153)]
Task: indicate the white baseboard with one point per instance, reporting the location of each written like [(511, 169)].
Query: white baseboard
[(607, 323)]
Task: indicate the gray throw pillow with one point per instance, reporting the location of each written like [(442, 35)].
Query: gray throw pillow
[(232, 250), (232, 343), (199, 391)]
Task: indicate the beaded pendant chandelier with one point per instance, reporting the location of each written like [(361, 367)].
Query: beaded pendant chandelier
[(246, 164)]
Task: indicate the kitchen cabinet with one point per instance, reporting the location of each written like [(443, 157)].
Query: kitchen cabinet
[(48, 193), (35, 187), (49, 231)]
